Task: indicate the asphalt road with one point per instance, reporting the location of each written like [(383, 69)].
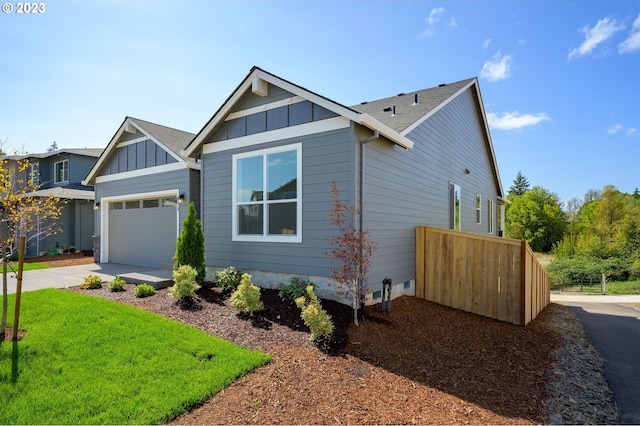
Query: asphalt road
[(614, 331)]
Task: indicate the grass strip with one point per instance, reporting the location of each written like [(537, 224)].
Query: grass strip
[(86, 360)]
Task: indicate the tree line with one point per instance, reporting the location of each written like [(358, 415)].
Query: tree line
[(598, 234)]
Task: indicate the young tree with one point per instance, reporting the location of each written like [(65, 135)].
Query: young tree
[(21, 214), (53, 147), (520, 185), (190, 245), (352, 250)]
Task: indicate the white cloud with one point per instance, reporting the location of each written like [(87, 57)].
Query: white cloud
[(497, 68), (515, 120), (615, 129), (486, 43), (631, 131), (432, 20), (434, 15), (601, 32), (632, 43)]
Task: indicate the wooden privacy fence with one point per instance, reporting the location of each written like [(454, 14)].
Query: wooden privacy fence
[(495, 277)]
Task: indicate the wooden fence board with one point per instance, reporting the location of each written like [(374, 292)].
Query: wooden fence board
[(491, 276)]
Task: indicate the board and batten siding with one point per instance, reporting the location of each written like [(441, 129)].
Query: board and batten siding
[(326, 156), (407, 188)]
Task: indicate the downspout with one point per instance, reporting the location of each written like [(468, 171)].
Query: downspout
[(363, 143)]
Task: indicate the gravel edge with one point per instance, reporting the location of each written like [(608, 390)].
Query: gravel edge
[(578, 391)]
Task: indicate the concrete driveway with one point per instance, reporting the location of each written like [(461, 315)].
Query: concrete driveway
[(69, 276), (614, 331)]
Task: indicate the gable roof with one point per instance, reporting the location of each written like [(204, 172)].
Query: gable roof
[(170, 139), (407, 110), (412, 109), (257, 77)]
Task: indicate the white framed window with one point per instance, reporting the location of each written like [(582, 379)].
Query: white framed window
[(267, 195), (455, 207), (478, 209), (61, 171), (490, 211), (34, 173)]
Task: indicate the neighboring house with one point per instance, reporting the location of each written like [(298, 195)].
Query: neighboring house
[(143, 186), (60, 173), (270, 151), (260, 172)]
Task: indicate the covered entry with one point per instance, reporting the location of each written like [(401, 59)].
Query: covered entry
[(141, 231)]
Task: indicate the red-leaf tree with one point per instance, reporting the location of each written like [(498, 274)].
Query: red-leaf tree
[(352, 250)]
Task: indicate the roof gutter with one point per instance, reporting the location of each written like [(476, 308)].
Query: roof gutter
[(384, 130)]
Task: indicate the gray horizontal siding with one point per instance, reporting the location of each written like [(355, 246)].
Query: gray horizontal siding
[(325, 157), (404, 189)]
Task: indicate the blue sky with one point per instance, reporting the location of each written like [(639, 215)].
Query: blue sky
[(559, 79)]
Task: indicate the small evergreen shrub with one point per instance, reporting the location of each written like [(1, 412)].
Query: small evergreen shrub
[(116, 284), (144, 290), (296, 288), (314, 317), (185, 286), (190, 245), (91, 282), (247, 296), (229, 278)]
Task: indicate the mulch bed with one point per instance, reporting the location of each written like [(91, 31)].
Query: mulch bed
[(421, 363), (79, 258)]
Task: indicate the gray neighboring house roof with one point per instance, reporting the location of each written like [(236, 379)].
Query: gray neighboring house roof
[(89, 152), (172, 140)]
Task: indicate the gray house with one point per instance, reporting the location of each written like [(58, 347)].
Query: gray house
[(268, 154), (60, 173), (143, 186)]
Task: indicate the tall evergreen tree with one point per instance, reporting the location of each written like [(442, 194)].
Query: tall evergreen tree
[(520, 185), (190, 245)]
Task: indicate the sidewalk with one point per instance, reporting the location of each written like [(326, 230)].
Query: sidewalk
[(70, 276), (594, 298)]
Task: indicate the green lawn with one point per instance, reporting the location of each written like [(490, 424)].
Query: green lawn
[(26, 267), (612, 287), (86, 360)]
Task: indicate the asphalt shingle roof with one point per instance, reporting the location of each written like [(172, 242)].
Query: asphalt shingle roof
[(174, 139), (407, 112)]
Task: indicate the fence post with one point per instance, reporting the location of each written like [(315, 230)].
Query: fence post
[(604, 284)]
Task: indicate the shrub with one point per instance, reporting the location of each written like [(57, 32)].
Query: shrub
[(91, 282), (316, 318), (185, 285), (144, 290), (296, 288), (190, 245), (117, 284), (247, 296), (229, 278)]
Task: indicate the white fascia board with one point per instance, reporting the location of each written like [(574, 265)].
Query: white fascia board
[(141, 172), (485, 124), (298, 131), (291, 88), (386, 131), (438, 108), (105, 154)]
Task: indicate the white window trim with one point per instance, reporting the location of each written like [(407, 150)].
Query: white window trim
[(55, 172), (297, 238), (491, 216)]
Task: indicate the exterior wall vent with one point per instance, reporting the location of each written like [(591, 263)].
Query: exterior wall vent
[(377, 295)]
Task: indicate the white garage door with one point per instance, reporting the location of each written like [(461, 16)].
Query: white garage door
[(143, 232)]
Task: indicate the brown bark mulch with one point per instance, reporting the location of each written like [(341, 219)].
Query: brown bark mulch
[(421, 363)]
